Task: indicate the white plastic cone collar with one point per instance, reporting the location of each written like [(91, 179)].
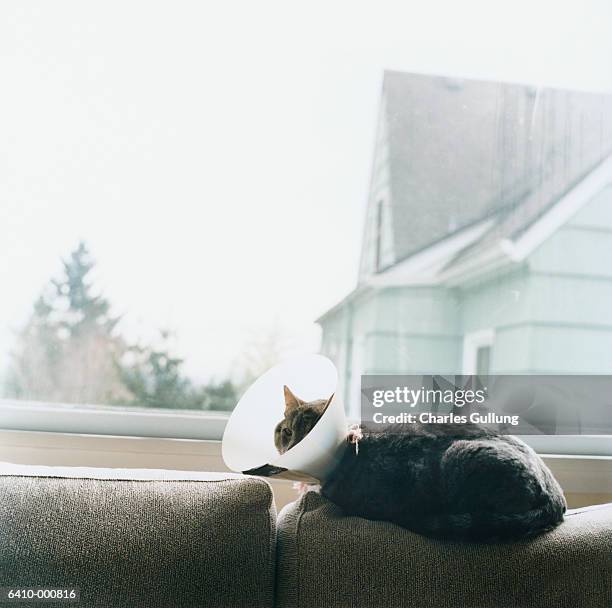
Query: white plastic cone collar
[(248, 441)]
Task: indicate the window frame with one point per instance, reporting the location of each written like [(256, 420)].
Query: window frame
[(114, 421), (378, 265), (472, 342), (209, 425)]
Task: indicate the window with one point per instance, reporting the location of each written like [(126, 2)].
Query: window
[(176, 218), (477, 350), (379, 228), (483, 360)]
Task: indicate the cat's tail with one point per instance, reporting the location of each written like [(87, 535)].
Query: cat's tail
[(491, 526)]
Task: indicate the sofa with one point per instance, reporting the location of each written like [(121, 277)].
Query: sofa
[(152, 538)]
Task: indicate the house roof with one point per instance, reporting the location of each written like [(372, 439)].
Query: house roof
[(478, 171), (461, 151)]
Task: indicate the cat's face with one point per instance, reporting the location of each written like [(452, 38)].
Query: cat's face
[(300, 418)]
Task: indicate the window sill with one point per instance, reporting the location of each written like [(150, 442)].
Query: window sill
[(111, 420), (587, 476), (64, 435), (105, 451)]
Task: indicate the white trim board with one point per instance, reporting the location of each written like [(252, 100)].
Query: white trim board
[(423, 267), (508, 252), (111, 420), (472, 341), (560, 213)]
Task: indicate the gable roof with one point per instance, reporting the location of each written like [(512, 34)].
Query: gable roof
[(462, 151), (481, 172)]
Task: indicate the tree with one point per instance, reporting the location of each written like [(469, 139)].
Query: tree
[(70, 351), (67, 349), (221, 396), (153, 378), (85, 311), (36, 358)]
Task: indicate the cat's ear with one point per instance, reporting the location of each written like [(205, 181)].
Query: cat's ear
[(291, 401), (329, 401)]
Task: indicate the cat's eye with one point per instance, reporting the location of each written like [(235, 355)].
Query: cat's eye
[(287, 432)]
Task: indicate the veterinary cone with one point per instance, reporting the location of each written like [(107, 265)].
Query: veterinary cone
[(248, 441)]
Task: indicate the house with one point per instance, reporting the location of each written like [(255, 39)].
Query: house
[(488, 236)]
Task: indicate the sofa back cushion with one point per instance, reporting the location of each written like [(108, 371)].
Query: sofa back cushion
[(138, 538), (327, 559)]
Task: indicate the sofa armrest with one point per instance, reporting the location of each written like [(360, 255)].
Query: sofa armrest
[(138, 537), (327, 559)]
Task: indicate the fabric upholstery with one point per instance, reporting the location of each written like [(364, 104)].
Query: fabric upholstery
[(139, 538), (327, 559)]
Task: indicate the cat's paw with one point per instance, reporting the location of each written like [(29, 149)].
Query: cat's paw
[(302, 487)]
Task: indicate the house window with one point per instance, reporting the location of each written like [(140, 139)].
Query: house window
[(483, 360), (477, 352), (379, 229)]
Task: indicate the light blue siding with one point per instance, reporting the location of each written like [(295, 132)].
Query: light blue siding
[(598, 213), (502, 301)]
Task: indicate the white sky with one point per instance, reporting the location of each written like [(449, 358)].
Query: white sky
[(216, 156)]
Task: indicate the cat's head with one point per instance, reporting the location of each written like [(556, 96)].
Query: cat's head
[(300, 418)]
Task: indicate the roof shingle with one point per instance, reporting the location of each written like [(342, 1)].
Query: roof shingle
[(462, 150)]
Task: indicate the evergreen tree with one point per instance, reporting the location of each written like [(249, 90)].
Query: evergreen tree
[(153, 378), (70, 351), (220, 396), (85, 311), (67, 349), (35, 362)]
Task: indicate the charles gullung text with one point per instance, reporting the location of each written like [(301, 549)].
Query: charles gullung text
[(403, 395)]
